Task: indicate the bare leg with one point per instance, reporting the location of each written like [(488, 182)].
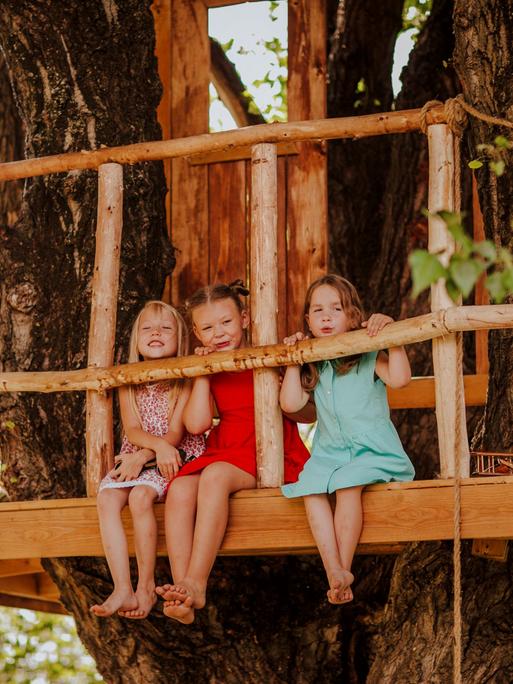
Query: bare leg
[(181, 503), (217, 482), (348, 528), (321, 521), (110, 503), (141, 500)]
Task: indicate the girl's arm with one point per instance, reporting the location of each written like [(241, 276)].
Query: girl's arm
[(175, 431), (168, 458), (199, 409), (293, 397), (394, 368)]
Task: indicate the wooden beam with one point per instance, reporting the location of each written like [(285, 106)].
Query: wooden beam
[(24, 566), (32, 604), (22, 585), (420, 393), (102, 329), (307, 185), (384, 123), (481, 293), (238, 154), (408, 331), (190, 64), (448, 350), (264, 313), (262, 521)]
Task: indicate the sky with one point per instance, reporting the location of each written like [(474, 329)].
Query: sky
[(251, 24)]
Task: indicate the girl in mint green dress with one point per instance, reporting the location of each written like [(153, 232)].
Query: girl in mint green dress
[(355, 443)]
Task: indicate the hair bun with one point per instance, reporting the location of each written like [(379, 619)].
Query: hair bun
[(238, 287)]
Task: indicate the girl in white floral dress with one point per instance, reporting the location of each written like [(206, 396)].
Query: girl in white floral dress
[(154, 448)]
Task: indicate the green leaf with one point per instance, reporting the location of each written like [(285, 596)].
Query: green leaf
[(507, 280), (452, 290), (464, 273), (9, 424), (425, 270), (503, 142), (486, 249), (475, 164), (497, 167), (495, 287)]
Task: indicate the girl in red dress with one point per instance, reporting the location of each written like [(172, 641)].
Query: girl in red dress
[(197, 500)]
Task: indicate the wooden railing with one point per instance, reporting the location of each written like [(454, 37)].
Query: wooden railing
[(441, 325)]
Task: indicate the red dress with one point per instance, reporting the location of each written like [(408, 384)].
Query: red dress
[(233, 440)]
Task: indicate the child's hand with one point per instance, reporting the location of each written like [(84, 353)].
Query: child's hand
[(168, 460), (296, 337), (203, 351), (376, 323), (129, 466)]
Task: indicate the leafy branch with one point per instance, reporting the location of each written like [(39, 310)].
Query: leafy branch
[(466, 265)]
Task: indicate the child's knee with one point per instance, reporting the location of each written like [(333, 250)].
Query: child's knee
[(141, 499)]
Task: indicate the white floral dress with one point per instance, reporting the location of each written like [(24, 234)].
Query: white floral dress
[(153, 404)]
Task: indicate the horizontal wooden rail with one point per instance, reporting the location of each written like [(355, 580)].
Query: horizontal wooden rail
[(420, 392), (262, 521), (317, 129), (408, 331)]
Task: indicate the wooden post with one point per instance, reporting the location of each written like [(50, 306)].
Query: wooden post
[(446, 354), (102, 330), (264, 287)]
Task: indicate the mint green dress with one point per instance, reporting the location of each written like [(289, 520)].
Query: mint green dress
[(355, 442)]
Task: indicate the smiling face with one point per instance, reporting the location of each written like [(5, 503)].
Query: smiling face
[(157, 334), (326, 315), (220, 324)]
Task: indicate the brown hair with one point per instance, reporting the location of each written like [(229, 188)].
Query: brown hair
[(175, 386), (216, 292), (353, 309)]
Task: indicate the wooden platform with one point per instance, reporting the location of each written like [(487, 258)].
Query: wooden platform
[(261, 522), (264, 522)]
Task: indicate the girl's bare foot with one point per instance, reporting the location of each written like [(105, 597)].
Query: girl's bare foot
[(146, 599), (340, 587), (119, 600), (181, 599), (182, 612)]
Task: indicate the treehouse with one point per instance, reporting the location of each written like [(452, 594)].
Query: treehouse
[(257, 196)]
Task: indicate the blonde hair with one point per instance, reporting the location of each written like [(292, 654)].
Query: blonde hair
[(175, 386), (353, 309)]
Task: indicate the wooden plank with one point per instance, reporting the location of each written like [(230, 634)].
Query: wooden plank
[(32, 604), (190, 67), (481, 294), (161, 10), (23, 585), (46, 587), (238, 154), (264, 522), (307, 196), (493, 549), (102, 329), (264, 313), (227, 222), (24, 566), (447, 351), (420, 393)]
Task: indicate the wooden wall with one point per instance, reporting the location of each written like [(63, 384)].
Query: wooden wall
[(211, 199)]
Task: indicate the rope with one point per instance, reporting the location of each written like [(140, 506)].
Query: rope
[(455, 111), (456, 552)]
